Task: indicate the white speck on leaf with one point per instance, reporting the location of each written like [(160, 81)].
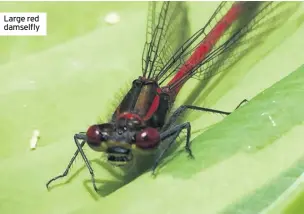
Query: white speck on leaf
[(34, 139), (112, 18), (270, 118)]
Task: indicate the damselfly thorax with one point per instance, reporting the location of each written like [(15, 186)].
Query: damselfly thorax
[(135, 124)]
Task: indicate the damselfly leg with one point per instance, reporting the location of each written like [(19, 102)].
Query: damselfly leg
[(174, 133), (77, 138), (177, 129)]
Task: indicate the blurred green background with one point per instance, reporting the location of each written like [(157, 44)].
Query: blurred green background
[(61, 83), (66, 21)]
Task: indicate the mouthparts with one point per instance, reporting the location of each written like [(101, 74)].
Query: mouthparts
[(119, 156)]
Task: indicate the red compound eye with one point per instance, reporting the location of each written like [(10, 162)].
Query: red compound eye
[(147, 139), (94, 135), (98, 133)]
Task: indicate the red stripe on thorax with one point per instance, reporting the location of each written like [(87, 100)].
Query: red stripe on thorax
[(129, 116)]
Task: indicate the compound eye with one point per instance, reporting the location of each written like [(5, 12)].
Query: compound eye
[(148, 138), (97, 134)]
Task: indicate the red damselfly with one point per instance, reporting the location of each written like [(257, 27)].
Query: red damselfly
[(141, 119)]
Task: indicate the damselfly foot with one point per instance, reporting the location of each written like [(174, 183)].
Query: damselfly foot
[(190, 155), (94, 182)]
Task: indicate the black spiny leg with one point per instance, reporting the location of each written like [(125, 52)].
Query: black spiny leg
[(176, 130), (77, 137), (183, 108), (66, 171)]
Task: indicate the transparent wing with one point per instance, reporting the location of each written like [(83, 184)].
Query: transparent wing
[(267, 17), (164, 34), (255, 21), (184, 52)]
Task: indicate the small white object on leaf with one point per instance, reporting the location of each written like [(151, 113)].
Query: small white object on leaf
[(112, 18), (34, 139)]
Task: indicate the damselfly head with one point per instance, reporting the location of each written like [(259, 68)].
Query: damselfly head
[(118, 140), (115, 142)]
